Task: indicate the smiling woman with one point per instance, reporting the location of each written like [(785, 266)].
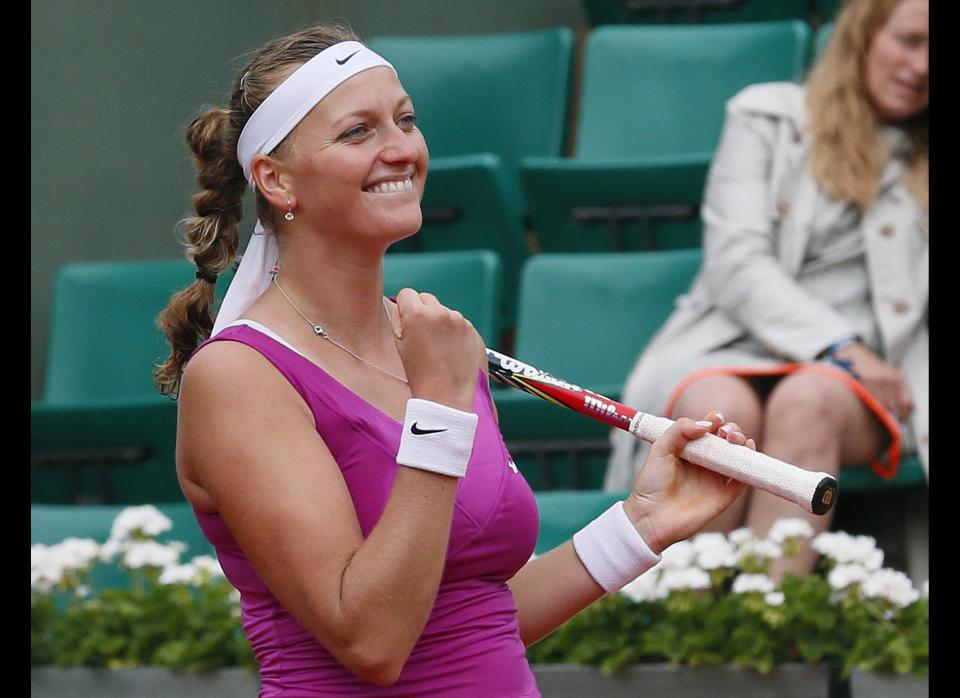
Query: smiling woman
[(341, 449)]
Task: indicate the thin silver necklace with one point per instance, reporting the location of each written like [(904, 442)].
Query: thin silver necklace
[(320, 332)]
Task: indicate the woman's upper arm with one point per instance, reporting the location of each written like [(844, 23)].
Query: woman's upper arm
[(250, 441), (743, 272)]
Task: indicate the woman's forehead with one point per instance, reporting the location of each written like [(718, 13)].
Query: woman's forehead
[(366, 91)]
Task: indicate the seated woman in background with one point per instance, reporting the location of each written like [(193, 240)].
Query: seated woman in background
[(807, 323)]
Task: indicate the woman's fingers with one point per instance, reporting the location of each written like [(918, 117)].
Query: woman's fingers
[(715, 423)]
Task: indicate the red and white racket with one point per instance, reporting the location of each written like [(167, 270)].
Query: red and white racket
[(814, 491)]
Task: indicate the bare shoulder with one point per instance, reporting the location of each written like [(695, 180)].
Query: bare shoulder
[(233, 376), (231, 397)]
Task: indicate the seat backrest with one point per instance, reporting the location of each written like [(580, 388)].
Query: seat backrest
[(585, 317), (684, 11), (661, 90), (468, 281), (821, 39), (104, 341), (488, 93)]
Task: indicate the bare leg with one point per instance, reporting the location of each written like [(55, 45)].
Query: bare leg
[(733, 397), (817, 423)]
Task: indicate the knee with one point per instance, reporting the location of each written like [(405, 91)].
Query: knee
[(731, 396), (806, 405)]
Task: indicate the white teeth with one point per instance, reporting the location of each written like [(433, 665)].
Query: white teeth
[(389, 187)]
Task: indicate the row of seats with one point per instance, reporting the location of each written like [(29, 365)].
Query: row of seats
[(102, 433), (512, 173)]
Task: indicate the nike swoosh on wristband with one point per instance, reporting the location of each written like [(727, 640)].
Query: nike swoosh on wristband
[(341, 62), (414, 429)]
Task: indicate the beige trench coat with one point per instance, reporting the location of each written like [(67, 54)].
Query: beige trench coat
[(758, 205)]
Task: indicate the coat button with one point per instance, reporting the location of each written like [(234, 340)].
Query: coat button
[(783, 208), (900, 307), (887, 231)]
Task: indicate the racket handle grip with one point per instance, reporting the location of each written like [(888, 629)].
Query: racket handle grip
[(814, 491)]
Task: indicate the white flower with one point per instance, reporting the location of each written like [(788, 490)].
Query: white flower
[(152, 554), (783, 529), (82, 591), (741, 536), (643, 588), (38, 551), (111, 549), (842, 576), (76, 553), (766, 549), (207, 564), (843, 548), (892, 585), (714, 550), (41, 582), (703, 542), (680, 555), (721, 556), (688, 578), (774, 598), (746, 583), (139, 522), (179, 574), (50, 564)]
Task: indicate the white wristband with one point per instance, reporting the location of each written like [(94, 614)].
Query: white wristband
[(436, 438), (612, 550)]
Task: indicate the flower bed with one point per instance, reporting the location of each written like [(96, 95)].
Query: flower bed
[(708, 603)]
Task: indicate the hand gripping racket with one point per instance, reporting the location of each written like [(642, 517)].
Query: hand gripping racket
[(815, 492)]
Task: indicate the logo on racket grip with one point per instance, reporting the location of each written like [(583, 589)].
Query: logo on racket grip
[(827, 498)]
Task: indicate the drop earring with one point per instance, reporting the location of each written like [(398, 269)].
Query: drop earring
[(289, 214)]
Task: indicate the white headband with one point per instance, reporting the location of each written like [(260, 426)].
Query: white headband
[(269, 124)]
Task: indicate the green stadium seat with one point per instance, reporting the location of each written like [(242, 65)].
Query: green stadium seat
[(606, 206), (564, 512), (583, 317), (862, 480), (483, 103), (692, 11), (101, 431), (652, 100), (821, 38), (468, 281)]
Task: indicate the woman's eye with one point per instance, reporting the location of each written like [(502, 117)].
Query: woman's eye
[(407, 121), (910, 40), (354, 133)]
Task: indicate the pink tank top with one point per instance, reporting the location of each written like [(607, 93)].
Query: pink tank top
[(471, 644)]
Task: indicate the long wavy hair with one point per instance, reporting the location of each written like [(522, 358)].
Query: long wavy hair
[(211, 235), (848, 152)]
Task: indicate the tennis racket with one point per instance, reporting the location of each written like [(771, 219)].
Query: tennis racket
[(816, 492)]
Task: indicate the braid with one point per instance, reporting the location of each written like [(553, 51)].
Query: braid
[(211, 242)]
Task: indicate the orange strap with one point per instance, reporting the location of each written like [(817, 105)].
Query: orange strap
[(884, 468)]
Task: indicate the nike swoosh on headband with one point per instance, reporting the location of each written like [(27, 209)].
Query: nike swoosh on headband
[(341, 62), (414, 429)]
